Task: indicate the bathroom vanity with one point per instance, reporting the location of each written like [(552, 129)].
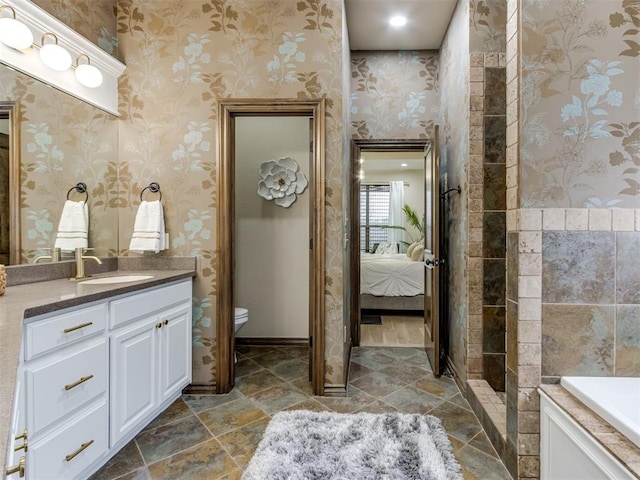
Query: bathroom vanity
[(97, 362)]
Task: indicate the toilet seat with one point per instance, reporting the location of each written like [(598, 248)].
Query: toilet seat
[(240, 313)]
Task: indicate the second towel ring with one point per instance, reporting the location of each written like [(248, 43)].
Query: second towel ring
[(80, 187), (153, 187)]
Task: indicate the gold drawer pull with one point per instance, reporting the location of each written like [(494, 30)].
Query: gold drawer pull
[(77, 327), (25, 445), (71, 456), (19, 469), (75, 384), (21, 435)]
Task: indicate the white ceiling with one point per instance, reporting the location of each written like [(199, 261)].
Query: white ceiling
[(386, 161), (369, 29)]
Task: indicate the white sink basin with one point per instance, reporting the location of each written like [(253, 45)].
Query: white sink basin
[(117, 279)]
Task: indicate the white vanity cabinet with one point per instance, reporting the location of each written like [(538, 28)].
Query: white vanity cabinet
[(150, 354), (91, 377)]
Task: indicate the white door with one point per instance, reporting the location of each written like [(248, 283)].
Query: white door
[(133, 376), (175, 351)]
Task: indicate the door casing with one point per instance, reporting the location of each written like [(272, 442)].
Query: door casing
[(228, 109), (357, 147)]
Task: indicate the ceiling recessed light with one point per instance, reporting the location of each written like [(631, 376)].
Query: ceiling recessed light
[(404, 165), (398, 21)]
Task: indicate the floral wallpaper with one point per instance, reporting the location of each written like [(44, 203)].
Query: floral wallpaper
[(93, 19), (182, 56), (488, 26), (454, 151), (580, 104), (394, 94), (63, 141)]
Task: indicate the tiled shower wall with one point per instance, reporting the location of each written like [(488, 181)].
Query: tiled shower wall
[(487, 220)]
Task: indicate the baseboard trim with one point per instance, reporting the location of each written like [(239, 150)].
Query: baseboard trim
[(272, 341), (335, 391), (200, 389)]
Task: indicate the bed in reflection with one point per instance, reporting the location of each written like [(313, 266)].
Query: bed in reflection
[(391, 281)]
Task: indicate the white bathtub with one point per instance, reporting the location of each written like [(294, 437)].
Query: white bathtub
[(616, 399)]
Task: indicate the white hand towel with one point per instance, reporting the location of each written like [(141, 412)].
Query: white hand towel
[(73, 229), (148, 229)]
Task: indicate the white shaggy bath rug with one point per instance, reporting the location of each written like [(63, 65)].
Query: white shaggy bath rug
[(308, 445)]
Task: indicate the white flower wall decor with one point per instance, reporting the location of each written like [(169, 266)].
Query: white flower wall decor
[(281, 181)]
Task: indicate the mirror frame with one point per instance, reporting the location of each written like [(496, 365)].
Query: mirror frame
[(12, 110)]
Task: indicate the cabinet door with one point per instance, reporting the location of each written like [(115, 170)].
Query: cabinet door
[(175, 350), (133, 376)]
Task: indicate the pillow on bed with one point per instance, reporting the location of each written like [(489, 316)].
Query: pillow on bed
[(387, 247), (411, 248), (416, 255)]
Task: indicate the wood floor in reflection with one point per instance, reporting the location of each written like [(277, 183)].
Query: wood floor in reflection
[(395, 331)]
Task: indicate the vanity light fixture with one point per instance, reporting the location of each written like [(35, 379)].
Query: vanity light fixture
[(54, 56), (87, 74), (398, 21), (14, 33)]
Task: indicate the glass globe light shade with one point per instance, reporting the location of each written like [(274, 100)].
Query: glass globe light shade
[(15, 34), (55, 57), (88, 75)]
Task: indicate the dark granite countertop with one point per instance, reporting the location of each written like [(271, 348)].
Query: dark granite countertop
[(25, 301), (606, 435)]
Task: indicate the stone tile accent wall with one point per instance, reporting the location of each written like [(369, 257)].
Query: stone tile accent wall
[(487, 219)]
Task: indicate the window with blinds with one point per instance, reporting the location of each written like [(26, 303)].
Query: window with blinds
[(374, 212)]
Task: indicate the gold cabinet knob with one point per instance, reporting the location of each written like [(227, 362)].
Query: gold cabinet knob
[(166, 322), (159, 325)]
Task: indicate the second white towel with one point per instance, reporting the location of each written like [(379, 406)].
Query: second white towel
[(148, 229), (73, 229)]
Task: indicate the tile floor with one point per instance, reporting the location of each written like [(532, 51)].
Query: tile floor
[(214, 436)]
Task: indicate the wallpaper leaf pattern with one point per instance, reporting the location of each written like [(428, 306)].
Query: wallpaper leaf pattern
[(577, 105), (487, 25), (628, 18), (181, 58), (394, 94)]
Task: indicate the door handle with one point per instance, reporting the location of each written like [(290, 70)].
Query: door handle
[(431, 263)]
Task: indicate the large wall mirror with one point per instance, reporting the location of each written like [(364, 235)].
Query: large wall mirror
[(56, 141), (9, 184)]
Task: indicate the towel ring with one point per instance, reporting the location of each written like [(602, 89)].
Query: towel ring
[(80, 187), (153, 187)]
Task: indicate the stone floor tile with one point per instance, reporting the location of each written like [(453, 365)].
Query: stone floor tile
[(242, 442), (176, 411), (207, 460), (125, 461), (277, 398), (231, 415), (245, 366), (200, 403), (169, 439), (458, 422), (477, 465), (412, 400), (378, 384), (254, 382)]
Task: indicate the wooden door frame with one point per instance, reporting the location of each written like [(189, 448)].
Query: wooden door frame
[(228, 110), (12, 111), (357, 147)]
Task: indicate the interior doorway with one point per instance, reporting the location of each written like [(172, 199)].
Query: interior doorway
[(387, 287), (229, 112)]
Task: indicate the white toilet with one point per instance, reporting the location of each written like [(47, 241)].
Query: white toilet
[(240, 317)]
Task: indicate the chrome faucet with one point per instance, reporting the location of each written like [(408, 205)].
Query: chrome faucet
[(80, 258), (54, 257)]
